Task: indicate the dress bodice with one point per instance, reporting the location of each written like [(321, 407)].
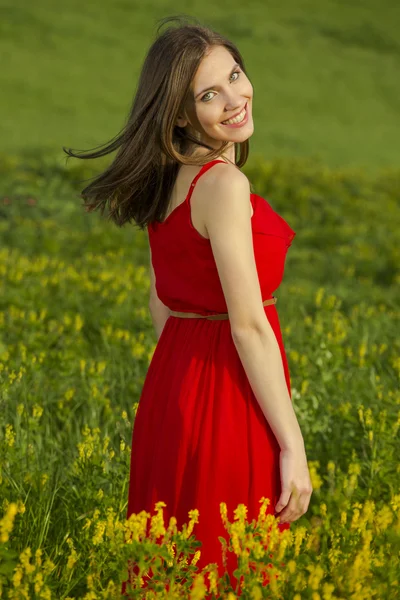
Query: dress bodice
[(186, 274)]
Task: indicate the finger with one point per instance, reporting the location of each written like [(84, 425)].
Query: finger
[(283, 500), (304, 501), (293, 509), (300, 509)]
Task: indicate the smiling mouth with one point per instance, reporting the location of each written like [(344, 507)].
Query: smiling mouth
[(238, 119)]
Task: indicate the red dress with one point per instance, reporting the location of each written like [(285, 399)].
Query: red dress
[(200, 436)]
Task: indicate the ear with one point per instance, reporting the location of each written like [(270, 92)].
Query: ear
[(181, 121)]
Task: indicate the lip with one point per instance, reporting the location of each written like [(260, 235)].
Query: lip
[(238, 113)]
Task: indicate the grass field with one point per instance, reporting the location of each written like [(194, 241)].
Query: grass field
[(76, 340), (76, 336), (325, 74)]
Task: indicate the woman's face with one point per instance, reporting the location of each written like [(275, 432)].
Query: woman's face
[(221, 90)]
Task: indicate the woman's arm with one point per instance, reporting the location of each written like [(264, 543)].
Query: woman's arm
[(228, 223), (159, 315), (159, 312)]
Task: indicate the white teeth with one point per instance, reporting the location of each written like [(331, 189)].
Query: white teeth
[(237, 119)]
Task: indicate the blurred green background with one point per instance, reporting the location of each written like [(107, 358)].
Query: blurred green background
[(325, 73)]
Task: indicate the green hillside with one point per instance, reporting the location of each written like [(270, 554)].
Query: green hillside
[(325, 74)]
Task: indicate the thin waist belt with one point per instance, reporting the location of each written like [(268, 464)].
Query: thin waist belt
[(216, 317)]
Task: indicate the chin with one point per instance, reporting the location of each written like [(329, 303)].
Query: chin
[(241, 138)]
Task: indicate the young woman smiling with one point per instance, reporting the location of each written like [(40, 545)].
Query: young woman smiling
[(215, 421)]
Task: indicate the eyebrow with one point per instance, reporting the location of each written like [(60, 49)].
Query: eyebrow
[(214, 86)]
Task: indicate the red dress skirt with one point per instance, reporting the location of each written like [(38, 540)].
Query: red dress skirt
[(200, 437)]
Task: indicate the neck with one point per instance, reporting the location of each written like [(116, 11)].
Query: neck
[(228, 154)]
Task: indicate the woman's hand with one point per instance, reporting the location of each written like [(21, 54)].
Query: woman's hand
[(296, 485)]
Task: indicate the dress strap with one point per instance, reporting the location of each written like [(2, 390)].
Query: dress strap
[(203, 169)]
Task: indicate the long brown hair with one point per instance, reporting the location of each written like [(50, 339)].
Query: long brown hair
[(138, 183)]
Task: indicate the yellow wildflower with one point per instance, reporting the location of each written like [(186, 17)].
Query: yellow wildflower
[(157, 527), (24, 558), (316, 480), (37, 411), (299, 535), (316, 574), (319, 295), (199, 589), (48, 566), (368, 417), (17, 577), (291, 566), (38, 581), (99, 532), (45, 593), (87, 524), (73, 556), (395, 502), (7, 522), (240, 513), (224, 513), (213, 577), (235, 543), (383, 518), (38, 557), (10, 435), (194, 518)]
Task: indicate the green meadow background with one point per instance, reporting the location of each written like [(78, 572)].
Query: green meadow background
[(76, 336), (325, 74)]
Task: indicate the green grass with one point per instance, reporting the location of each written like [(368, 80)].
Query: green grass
[(325, 74), (76, 339)]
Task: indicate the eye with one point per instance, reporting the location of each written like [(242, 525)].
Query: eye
[(234, 73)]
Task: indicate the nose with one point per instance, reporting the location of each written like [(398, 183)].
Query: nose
[(234, 101), (234, 105)]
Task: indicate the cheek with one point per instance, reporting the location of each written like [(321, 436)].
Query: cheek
[(208, 118), (249, 90)]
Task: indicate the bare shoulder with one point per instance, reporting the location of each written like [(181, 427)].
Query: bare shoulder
[(223, 176), (227, 211), (223, 189)]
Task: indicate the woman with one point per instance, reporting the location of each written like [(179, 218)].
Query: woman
[(215, 422)]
